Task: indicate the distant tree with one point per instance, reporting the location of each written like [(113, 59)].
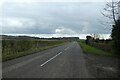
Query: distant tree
[(96, 36), (88, 38)]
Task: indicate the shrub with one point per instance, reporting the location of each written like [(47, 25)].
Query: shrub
[(116, 37)]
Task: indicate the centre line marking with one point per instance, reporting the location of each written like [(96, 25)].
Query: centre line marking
[(50, 59), (67, 48)]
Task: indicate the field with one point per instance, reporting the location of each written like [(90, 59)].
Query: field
[(13, 48)]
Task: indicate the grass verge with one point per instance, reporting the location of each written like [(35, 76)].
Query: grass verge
[(93, 50)]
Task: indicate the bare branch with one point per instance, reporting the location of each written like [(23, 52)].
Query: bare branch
[(105, 23), (111, 10)]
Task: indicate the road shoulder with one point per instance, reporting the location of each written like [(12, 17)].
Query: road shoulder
[(102, 66)]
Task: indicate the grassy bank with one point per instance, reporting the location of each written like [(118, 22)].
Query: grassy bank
[(16, 48), (93, 50)]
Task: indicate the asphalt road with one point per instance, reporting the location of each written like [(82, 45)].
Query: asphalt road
[(64, 61)]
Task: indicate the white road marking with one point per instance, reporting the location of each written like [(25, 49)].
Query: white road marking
[(67, 48), (50, 59)]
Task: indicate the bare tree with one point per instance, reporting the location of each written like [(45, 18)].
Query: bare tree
[(111, 11), (95, 36)]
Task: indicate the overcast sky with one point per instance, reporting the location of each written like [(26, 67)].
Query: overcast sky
[(52, 17)]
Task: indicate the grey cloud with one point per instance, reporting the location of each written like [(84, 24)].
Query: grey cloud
[(45, 18)]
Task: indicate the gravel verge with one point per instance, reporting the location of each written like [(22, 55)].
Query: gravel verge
[(102, 66)]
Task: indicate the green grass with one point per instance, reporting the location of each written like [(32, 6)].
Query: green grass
[(12, 49), (93, 50)]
